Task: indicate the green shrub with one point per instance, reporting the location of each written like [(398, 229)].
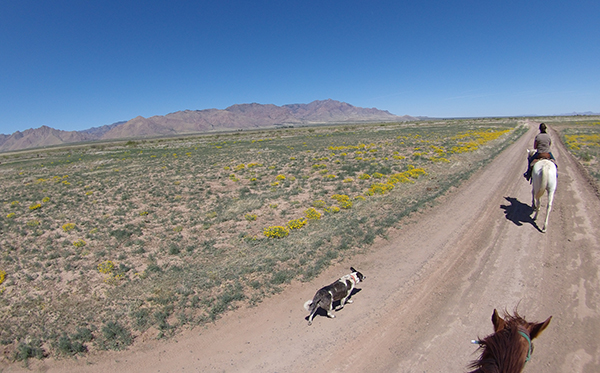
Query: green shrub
[(26, 350), (115, 336)]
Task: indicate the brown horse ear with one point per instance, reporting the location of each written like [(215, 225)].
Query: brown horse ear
[(497, 321), (537, 329)]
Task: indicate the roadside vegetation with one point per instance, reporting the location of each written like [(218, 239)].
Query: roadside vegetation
[(105, 244), (581, 135)]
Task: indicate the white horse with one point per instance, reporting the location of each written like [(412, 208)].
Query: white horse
[(543, 177)]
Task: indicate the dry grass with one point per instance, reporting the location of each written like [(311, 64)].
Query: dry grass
[(102, 245), (581, 135)]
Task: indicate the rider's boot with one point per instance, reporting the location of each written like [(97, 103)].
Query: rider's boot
[(527, 175)]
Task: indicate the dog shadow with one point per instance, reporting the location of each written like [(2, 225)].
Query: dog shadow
[(336, 304), (518, 212)]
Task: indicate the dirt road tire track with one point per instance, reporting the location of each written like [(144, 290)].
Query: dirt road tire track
[(430, 289)]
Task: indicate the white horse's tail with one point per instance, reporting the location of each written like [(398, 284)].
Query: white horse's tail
[(544, 179), (544, 173)]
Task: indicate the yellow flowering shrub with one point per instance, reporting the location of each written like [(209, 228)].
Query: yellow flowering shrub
[(297, 223), (68, 227), (379, 188), (276, 231), (343, 200), (345, 204), (406, 176), (79, 243), (575, 142), (312, 214), (106, 267), (474, 139), (113, 279), (332, 209)]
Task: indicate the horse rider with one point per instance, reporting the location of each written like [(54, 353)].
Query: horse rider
[(542, 145)]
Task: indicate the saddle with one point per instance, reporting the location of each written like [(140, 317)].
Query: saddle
[(536, 158), (544, 156), (540, 156)]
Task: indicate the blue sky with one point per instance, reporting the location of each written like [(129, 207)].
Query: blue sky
[(74, 65)]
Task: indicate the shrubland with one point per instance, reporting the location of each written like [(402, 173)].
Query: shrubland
[(106, 243)]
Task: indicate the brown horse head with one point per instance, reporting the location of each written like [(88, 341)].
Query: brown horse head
[(509, 348)]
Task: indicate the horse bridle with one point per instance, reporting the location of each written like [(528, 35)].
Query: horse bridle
[(526, 336)]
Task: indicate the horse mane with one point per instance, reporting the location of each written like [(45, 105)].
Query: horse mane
[(502, 352)]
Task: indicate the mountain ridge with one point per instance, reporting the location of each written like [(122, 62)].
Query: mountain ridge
[(234, 117)]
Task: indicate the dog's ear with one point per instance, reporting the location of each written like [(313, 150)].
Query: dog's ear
[(353, 270)]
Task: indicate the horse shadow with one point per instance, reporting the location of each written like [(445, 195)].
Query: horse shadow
[(519, 213), (322, 312)]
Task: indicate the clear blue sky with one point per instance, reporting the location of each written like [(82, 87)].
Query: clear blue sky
[(73, 65)]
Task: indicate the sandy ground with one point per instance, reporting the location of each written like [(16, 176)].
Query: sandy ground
[(430, 289)]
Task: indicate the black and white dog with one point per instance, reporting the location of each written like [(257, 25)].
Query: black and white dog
[(339, 290)]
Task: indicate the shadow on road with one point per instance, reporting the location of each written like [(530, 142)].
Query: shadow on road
[(518, 212)]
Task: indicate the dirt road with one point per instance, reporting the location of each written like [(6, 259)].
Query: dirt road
[(430, 289)]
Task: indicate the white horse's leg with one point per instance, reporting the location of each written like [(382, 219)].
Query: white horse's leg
[(535, 204), (551, 190), (550, 198)]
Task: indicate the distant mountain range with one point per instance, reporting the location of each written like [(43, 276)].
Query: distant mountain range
[(576, 113), (236, 117)]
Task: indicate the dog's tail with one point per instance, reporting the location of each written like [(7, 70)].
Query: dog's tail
[(308, 305)]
